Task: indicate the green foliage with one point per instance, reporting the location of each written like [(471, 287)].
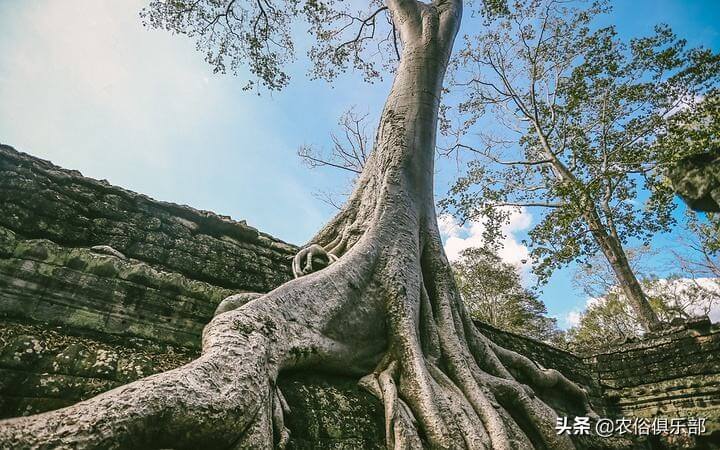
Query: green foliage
[(582, 110), (494, 294), (262, 36), (609, 319), (606, 322), (694, 131)]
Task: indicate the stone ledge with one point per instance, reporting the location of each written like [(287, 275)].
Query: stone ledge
[(42, 201)]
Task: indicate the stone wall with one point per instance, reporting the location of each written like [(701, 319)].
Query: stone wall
[(100, 286), (569, 364), (676, 374), (44, 367), (42, 201)]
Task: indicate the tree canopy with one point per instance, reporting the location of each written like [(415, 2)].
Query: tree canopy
[(608, 320), (493, 293), (690, 290), (582, 109), (263, 35)]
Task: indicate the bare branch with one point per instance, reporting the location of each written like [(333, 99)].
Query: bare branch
[(496, 160), (528, 205), (349, 149)]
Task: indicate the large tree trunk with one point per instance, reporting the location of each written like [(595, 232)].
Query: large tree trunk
[(387, 310)]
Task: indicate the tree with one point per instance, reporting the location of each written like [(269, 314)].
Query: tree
[(385, 307), (697, 254), (595, 278), (609, 319), (581, 109), (703, 260), (605, 322), (349, 151), (493, 293)]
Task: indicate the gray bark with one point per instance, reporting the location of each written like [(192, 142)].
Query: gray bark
[(614, 253), (386, 310)]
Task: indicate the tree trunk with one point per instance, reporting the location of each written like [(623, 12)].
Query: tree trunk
[(615, 254), (387, 308), (609, 243)]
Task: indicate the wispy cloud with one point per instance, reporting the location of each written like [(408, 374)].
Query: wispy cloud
[(572, 319), (86, 86), (457, 238)]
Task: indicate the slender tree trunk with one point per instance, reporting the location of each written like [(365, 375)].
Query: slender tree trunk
[(628, 282), (609, 243), (387, 310)]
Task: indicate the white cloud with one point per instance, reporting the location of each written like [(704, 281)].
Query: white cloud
[(457, 238), (709, 303), (680, 286), (684, 104), (572, 319), (448, 226)]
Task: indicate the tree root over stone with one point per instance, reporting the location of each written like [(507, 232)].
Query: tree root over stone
[(384, 307)]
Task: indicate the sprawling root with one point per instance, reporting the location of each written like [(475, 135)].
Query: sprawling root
[(401, 430), (385, 305), (307, 260), (280, 408), (388, 307), (445, 385), (442, 383)]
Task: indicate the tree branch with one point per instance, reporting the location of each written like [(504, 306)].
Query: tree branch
[(528, 205), (498, 161)]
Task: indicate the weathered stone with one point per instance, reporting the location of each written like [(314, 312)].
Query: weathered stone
[(697, 180), (87, 291), (321, 406), (100, 286), (675, 375), (106, 250), (42, 201), (44, 367)]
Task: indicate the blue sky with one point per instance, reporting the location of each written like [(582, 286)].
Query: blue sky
[(84, 85)]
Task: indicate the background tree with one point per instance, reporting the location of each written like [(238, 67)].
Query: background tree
[(493, 293), (608, 318), (596, 278), (349, 150), (581, 110), (697, 255), (608, 321), (385, 306)]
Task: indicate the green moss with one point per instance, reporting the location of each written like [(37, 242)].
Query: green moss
[(104, 266), (331, 412)]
